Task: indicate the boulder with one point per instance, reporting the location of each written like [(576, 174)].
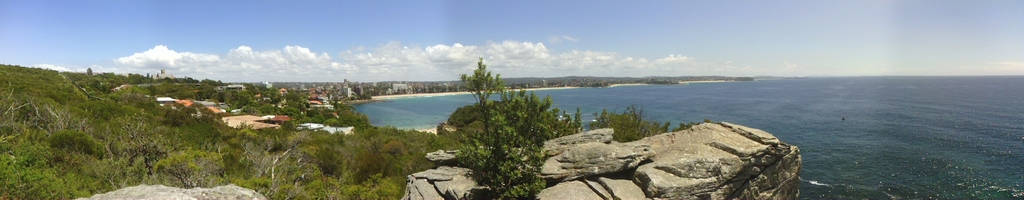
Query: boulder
[(720, 161), (707, 161), (165, 192), (594, 159), (443, 182), (442, 157), (621, 188), (558, 145), (568, 190)]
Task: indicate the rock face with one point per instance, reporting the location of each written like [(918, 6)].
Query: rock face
[(708, 161), (593, 159), (442, 157), (164, 192), (445, 182), (558, 145), (720, 161)]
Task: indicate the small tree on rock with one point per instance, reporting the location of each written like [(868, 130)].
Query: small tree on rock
[(507, 156)]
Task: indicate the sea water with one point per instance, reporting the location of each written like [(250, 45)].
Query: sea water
[(860, 137)]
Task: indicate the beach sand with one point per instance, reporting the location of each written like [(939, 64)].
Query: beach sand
[(686, 82), (400, 96), (627, 84)]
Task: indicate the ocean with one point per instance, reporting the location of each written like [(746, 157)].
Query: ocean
[(902, 137)]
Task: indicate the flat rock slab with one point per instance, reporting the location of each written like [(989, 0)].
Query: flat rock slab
[(165, 192), (719, 161), (442, 157), (568, 190), (558, 145), (621, 189), (443, 182), (593, 159)]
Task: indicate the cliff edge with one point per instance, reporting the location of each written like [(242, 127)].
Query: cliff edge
[(707, 161)]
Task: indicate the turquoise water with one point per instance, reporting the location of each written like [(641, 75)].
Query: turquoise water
[(903, 137)]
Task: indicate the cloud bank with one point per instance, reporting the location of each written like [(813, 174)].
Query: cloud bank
[(441, 62)]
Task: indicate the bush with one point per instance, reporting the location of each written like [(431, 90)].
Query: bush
[(192, 168), (76, 141), (507, 156)]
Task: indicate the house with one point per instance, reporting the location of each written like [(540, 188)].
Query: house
[(279, 119), (321, 106), (342, 130), (231, 88), (184, 102), (311, 126), (242, 121), (165, 100), (329, 129), (215, 110), (163, 74)]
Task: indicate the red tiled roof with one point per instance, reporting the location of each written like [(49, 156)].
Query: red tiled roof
[(281, 118), (185, 102)]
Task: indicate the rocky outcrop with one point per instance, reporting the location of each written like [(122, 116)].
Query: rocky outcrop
[(708, 161), (558, 145), (442, 157), (720, 161), (445, 181), (164, 192), (594, 159)]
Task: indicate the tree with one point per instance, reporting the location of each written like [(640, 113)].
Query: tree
[(507, 156), (88, 71)]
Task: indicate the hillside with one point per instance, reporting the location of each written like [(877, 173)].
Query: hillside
[(56, 142), (43, 83)]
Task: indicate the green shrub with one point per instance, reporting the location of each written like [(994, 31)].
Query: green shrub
[(76, 141), (507, 156)]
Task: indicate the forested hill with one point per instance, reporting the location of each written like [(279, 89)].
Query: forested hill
[(68, 135), (46, 84)]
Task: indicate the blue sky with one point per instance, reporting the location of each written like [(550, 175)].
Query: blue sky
[(436, 40)]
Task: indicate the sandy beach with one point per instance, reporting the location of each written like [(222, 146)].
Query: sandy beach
[(627, 84), (400, 96), (688, 82)]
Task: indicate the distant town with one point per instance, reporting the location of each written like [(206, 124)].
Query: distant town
[(359, 92)]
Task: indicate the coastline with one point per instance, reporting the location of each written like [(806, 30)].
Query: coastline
[(402, 96), (628, 84), (688, 82)]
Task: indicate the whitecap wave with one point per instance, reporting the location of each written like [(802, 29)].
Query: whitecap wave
[(813, 182)]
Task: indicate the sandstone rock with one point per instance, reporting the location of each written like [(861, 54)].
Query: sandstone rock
[(165, 192), (442, 157), (598, 189), (708, 161), (720, 161), (420, 189), (593, 159), (568, 190), (621, 189), (558, 145), (447, 182)]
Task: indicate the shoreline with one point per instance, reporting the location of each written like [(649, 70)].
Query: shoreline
[(402, 96), (628, 84), (688, 82)]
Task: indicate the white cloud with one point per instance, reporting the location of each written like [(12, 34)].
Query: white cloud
[(53, 67), (95, 68), (789, 66), (396, 61), (393, 61), (555, 39), (292, 63)]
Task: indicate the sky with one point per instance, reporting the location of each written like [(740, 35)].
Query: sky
[(330, 41)]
